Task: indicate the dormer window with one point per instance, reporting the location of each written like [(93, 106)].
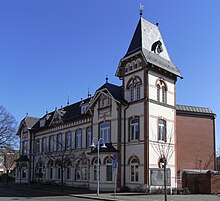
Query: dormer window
[(84, 108), (42, 122), (105, 101)]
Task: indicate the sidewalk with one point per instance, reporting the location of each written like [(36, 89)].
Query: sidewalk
[(85, 193)]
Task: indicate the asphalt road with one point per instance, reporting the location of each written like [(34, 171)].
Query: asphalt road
[(7, 194)]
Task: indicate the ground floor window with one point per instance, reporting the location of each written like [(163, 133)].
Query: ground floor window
[(134, 170), (51, 173), (109, 169), (68, 173), (24, 173), (59, 173), (82, 170)]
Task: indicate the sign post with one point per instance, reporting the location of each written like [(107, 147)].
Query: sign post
[(115, 166)]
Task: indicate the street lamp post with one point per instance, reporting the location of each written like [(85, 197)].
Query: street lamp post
[(96, 143)]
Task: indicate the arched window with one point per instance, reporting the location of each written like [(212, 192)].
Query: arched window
[(132, 92), (105, 132), (138, 91), (164, 94), (134, 88), (162, 130), (95, 169), (134, 170), (82, 170), (161, 91), (109, 169), (134, 129), (158, 92)]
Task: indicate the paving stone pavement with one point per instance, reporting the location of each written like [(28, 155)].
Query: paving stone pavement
[(86, 194)]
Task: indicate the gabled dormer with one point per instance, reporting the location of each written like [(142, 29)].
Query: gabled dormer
[(57, 117)]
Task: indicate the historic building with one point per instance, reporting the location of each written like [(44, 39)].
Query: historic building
[(139, 123)]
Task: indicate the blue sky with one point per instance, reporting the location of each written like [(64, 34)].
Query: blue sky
[(51, 48)]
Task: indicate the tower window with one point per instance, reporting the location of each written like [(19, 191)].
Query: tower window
[(162, 130)]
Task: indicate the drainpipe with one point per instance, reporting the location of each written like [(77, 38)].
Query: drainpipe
[(124, 177)]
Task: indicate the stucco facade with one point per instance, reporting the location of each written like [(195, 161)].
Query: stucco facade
[(136, 121)]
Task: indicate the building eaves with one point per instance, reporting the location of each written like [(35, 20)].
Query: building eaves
[(194, 110)]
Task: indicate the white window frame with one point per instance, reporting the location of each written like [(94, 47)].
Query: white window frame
[(161, 130), (109, 166), (78, 136), (68, 140), (134, 171), (105, 131), (134, 129)]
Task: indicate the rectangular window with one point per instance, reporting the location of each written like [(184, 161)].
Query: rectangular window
[(134, 129), (68, 173), (24, 147), (105, 132), (24, 173), (59, 142), (59, 173), (44, 145), (37, 144), (51, 143), (162, 130), (51, 173), (68, 140), (79, 138), (89, 137)]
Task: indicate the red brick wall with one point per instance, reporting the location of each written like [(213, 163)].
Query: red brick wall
[(215, 183), (195, 141)]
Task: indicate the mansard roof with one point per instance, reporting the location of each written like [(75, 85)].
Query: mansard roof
[(193, 110), (148, 40)]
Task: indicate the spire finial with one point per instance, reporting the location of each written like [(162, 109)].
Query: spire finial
[(89, 95), (68, 98), (141, 9), (106, 78)]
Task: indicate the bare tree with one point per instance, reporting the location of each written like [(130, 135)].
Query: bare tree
[(59, 155), (164, 149), (8, 127), (9, 160), (63, 160)]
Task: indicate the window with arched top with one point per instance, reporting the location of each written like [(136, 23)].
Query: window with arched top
[(161, 91), (82, 170), (134, 88), (164, 94), (134, 170), (109, 169), (95, 169)]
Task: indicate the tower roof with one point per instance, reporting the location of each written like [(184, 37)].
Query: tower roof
[(148, 40)]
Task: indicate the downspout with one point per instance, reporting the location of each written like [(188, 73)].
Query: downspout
[(30, 158), (124, 172)]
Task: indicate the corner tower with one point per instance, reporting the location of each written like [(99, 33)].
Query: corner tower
[(149, 86)]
